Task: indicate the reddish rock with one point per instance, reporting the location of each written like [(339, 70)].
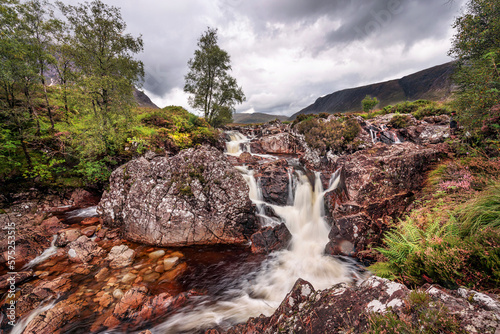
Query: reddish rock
[(381, 182), (271, 239), (273, 178), (52, 225), (17, 278), (66, 236), (346, 308), (89, 231), (82, 198), (84, 250), (91, 221), (52, 287), (120, 256)]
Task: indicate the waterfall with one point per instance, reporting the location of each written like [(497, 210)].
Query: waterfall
[(91, 211), (238, 140), (44, 256), (263, 291)]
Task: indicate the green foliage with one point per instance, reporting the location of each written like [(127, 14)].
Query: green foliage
[(369, 103), (213, 91), (93, 171), (400, 121), (476, 46), (462, 249), (481, 213), (336, 135), (421, 316)]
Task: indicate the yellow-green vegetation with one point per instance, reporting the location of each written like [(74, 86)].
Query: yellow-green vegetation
[(419, 109), (420, 315), (336, 134), (452, 237), (400, 121)]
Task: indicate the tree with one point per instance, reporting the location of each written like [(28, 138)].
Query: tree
[(369, 103), (38, 29), (214, 91), (476, 47), (102, 53)]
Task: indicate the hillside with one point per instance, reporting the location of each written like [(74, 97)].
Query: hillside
[(431, 84), (256, 118)]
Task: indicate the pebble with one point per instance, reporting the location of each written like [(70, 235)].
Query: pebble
[(129, 277), (118, 294), (157, 254), (170, 262)]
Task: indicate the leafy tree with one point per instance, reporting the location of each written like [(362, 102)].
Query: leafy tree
[(102, 52), (214, 91), (476, 47), (369, 103), (37, 21)]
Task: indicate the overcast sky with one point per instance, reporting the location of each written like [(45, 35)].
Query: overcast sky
[(287, 53)]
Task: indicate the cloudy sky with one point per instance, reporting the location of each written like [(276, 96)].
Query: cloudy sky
[(287, 53)]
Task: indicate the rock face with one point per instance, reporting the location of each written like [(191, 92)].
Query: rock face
[(346, 308), (381, 181), (195, 197), (273, 177), (271, 239)]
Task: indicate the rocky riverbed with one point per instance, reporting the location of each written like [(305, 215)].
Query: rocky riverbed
[(204, 239)]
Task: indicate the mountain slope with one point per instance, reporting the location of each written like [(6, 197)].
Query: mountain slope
[(431, 84)]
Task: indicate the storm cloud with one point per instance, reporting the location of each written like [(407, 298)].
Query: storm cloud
[(287, 53)]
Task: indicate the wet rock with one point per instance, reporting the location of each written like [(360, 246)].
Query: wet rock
[(16, 279), (195, 197), (152, 277), (84, 250), (273, 178), (128, 278), (120, 257), (90, 221), (174, 273), (345, 308), (53, 320), (102, 274), (156, 254), (89, 231), (381, 182), (66, 236), (271, 239), (170, 262), (82, 198), (52, 287), (281, 143), (52, 225), (118, 294)]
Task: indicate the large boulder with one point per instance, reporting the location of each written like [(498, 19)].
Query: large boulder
[(346, 308), (195, 197), (381, 182), (274, 180)]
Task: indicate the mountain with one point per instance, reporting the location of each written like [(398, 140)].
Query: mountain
[(143, 100), (431, 84), (256, 118)]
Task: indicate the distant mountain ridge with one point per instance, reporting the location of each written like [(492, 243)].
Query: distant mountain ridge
[(256, 117), (431, 84)]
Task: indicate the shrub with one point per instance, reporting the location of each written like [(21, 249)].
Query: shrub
[(335, 135), (400, 121)]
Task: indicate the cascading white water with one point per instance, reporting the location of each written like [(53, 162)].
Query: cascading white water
[(237, 140), (82, 213), (23, 323), (44, 256), (262, 292)]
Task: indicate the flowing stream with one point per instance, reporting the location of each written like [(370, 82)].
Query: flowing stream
[(261, 292)]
